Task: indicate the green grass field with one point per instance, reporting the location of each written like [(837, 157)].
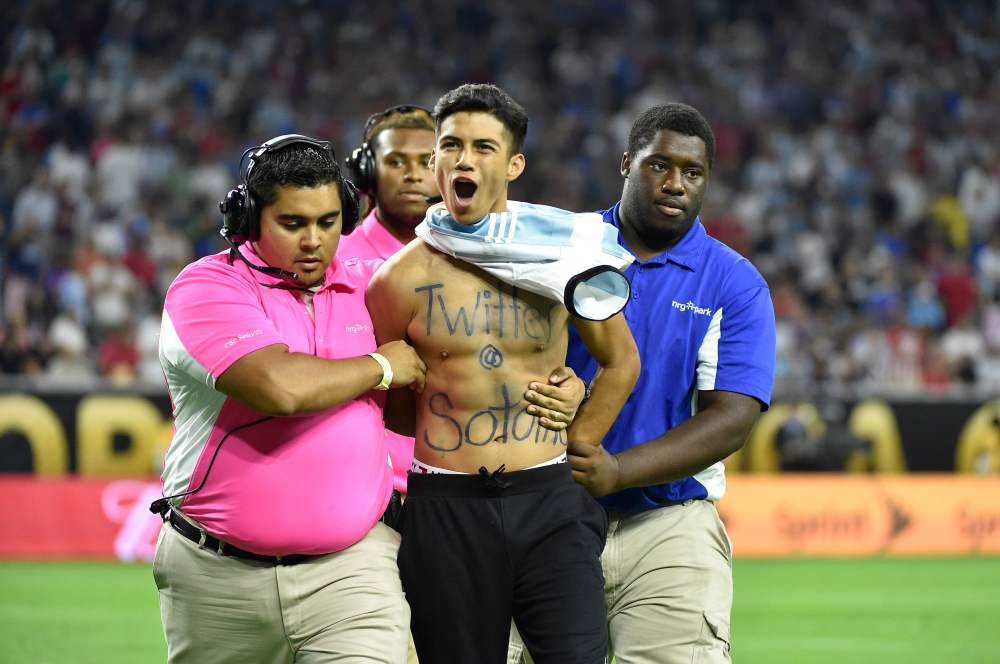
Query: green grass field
[(813, 611)]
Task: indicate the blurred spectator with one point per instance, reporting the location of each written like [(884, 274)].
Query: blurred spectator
[(957, 289), (70, 360), (118, 357), (18, 355), (964, 347), (979, 195), (924, 309), (988, 267)]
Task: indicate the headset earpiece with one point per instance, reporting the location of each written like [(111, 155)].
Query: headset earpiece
[(361, 167), (236, 209), (350, 203)]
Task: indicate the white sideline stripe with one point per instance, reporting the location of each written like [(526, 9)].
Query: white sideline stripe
[(708, 353)]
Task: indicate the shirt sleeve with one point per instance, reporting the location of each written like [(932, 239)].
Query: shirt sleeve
[(738, 352), (217, 316)]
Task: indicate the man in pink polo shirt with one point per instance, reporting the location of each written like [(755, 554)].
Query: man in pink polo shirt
[(391, 168), (278, 471)]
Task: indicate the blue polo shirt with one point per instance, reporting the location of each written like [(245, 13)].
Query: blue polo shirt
[(702, 317)]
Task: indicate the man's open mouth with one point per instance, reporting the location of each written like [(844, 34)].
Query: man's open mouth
[(465, 190)]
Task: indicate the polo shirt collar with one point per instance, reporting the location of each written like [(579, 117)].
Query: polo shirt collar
[(686, 253), (335, 276), (384, 242)]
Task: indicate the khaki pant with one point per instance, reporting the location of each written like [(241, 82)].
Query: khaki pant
[(668, 587), (345, 607)]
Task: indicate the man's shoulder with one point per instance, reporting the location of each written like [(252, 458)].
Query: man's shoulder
[(607, 214), (213, 270), (349, 243), (404, 267), (359, 271), (355, 243), (735, 269), (414, 258)]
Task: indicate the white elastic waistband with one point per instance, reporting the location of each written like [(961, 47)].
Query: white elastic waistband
[(422, 468)]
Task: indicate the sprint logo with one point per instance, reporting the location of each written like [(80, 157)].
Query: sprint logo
[(692, 307)]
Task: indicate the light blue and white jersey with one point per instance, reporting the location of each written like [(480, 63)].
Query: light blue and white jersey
[(573, 258)]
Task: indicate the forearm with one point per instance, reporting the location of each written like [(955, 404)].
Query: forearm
[(315, 388), (687, 449), (610, 390), (612, 345), (293, 383)]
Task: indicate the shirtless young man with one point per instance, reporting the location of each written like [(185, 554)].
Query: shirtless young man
[(494, 526)]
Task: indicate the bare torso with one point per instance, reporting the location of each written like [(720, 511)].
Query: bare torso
[(483, 341)]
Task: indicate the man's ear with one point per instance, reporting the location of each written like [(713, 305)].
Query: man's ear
[(430, 162), (515, 167), (626, 165)]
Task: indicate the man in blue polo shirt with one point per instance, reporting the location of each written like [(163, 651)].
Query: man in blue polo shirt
[(702, 317)]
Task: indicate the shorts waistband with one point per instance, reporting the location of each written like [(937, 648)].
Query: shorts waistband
[(488, 484)]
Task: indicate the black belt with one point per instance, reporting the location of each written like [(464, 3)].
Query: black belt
[(203, 539), (391, 515)]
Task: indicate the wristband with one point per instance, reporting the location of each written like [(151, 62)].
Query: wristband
[(386, 371)]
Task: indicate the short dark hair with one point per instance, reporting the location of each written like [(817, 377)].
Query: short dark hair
[(398, 117), (485, 98), (674, 116), (296, 164)]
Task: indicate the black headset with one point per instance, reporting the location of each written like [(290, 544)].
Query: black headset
[(240, 216), (361, 162)]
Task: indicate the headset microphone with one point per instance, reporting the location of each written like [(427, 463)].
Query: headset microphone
[(234, 252)]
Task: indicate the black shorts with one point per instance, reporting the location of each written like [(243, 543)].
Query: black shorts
[(478, 550)]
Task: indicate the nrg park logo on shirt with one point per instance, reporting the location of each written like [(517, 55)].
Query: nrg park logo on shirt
[(692, 307)]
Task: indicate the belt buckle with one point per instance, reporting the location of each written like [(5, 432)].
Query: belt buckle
[(202, 535)]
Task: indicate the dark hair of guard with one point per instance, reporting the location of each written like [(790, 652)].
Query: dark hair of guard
[(398, 117), (485, 98), (298, 165), (677, 117)]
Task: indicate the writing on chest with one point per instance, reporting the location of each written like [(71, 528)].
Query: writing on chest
[(476, 311)]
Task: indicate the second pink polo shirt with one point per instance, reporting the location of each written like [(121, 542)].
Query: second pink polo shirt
[(371, 240)]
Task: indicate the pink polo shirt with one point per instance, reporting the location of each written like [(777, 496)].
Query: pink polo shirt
[(309, 484), (371, 240)]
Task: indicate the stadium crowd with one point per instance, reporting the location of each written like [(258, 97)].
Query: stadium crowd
[(857, 162)]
